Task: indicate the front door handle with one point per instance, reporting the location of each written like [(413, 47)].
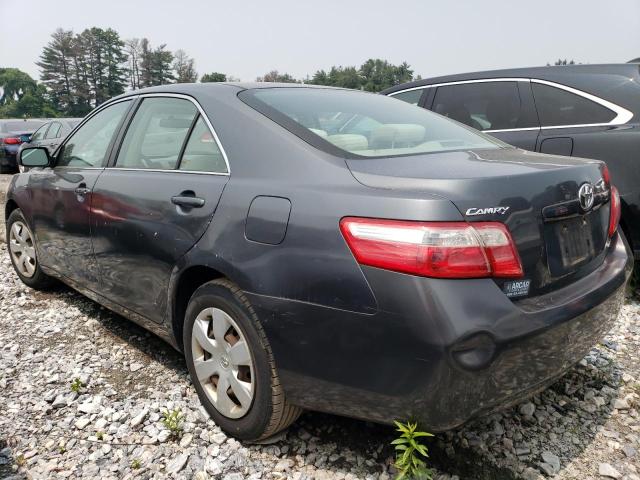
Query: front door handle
[(83, 190), (187, 201)]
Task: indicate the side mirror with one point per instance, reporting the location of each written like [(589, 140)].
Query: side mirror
[(34, 157)]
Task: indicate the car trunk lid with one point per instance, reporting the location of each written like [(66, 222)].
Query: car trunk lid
[(535, 195)]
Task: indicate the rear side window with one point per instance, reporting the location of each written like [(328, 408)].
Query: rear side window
[(412, 96), (201, 153), (156, 134), (558, 107), (54, 130), (89, 145), (355, 124), (483, 105), (39, 134)]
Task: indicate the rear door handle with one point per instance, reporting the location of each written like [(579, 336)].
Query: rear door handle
[(188, 201)]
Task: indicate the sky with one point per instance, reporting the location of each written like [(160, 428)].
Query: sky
[(249, 38)]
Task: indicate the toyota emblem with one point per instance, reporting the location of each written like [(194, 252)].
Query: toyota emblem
[(585, 196)]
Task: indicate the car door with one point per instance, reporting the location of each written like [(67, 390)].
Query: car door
[(568, 119), (502, 108), (52, 137), (155, 200), (61, 196), (38, 136)]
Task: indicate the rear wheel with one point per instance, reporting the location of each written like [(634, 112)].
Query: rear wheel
[(231, 364), (22, 251)]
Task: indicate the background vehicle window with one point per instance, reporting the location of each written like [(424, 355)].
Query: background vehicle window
[(156, 134), (202, 153), (54, 130), (89, 144), (482, 105), (39, 134), (558, 107), (412, 97)]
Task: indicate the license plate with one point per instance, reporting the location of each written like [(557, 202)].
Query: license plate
[(570, 243), (576, 241)]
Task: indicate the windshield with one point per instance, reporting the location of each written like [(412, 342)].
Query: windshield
[(362, 124)]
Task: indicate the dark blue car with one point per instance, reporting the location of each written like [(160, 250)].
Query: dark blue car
[(13, 133)]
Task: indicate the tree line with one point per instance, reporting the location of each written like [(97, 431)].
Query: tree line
[(79, 71)]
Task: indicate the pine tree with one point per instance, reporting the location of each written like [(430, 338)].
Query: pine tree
[(57, 65), (162, 67), (102, 54), (155, 65)]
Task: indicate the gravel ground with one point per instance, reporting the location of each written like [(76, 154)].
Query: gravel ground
[(586, 426)]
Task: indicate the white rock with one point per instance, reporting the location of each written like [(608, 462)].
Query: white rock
[(606, 470), (134, 367), (219, 438), (552, 460), (186, 439), (213, 466), (177, 463), (101, 423), (620, 404), (139, 418), (88, 408), (82, 422), (527, 409)]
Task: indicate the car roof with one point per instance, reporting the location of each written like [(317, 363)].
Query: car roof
[(216, 88), (551, 73)]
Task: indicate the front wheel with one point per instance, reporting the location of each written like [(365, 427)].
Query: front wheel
[(22, 251), (231, 364)]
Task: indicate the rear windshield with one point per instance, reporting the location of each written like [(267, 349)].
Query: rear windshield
[(358, 124), (21, 125)]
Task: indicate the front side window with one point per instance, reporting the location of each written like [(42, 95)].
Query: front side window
[(358, 124), (157, 133), (202, 153), (482, 105), (557, 107), (89, 145), (412, 96), (39, 134), (54, 131)]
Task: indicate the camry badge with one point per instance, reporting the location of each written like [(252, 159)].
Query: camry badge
[(585, 196), (487, 211)]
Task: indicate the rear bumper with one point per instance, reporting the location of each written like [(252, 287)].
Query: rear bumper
[(441, 351)]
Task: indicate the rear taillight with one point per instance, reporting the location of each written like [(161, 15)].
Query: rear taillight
[(606, 176), (615, 211), (433, 249), (12, 141)]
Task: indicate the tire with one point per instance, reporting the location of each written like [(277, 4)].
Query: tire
[(267, 412), (21, 241)]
